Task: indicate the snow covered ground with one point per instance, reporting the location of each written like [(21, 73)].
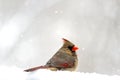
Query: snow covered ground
[(14, 73), (31, 32)]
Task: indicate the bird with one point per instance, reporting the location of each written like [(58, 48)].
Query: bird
[(65, 59)]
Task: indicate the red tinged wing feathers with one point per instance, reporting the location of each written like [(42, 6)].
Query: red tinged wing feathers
[(61, 60)]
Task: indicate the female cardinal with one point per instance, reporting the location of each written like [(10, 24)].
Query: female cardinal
[(64, 59)]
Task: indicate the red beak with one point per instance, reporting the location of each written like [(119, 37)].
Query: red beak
[(74, 48)]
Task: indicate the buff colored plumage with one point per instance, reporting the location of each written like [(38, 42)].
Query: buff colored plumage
[(64, 59)]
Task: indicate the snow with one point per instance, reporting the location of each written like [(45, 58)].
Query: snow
[(14, 73), (31, 32)]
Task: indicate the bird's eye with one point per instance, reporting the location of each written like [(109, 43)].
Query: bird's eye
[(70, 47)]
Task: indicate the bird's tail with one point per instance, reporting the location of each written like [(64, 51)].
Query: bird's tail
[(40, 67), (35, 68)]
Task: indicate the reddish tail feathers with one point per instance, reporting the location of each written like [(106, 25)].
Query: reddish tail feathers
[(35, 68)]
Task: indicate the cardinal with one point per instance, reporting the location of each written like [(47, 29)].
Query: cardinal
[(64, 59)]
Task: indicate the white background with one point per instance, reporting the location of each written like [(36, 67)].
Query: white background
[(31, 32)]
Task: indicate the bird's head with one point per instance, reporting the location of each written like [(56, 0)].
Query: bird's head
[(69, 45)]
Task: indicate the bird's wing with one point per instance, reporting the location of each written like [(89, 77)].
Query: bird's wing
[(61, 60)]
